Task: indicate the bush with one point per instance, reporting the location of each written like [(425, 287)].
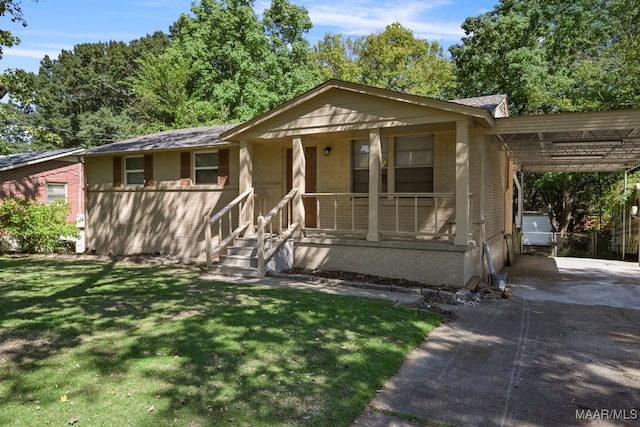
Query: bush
[(37, 227)]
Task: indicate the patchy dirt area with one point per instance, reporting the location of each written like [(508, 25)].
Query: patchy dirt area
[(364, 278)]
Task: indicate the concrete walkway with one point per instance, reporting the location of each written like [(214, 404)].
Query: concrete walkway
[(565, 346)]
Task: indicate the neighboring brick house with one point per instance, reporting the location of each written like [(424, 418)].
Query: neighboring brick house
[(45, 176)]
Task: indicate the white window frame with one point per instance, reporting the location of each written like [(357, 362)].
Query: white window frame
[(128, 171), (197, 168), (51, 184)]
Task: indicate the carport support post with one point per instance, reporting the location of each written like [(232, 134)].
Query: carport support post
[(299, 167), (462, 183)]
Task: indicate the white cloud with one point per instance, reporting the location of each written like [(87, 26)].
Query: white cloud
[(364, 17), (31, 53)]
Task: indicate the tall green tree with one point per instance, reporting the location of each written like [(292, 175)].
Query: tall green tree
[(539, 52), (551, 56), (82, 97), (392, 59), (12, 9), (395, 59), (232, 64), (336, 57)]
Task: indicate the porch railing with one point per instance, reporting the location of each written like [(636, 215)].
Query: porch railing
[(240, 206), (417, 215), (268, 242)]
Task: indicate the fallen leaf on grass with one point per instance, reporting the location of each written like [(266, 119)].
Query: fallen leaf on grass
[(151, 408), (63, 398)]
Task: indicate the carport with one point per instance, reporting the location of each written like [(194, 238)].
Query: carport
[(607, 141)]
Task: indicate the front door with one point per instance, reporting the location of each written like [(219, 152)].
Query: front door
[(310, 183)]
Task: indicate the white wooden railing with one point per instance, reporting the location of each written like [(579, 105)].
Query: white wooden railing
[(241, 206), (404, 214), (285, 230)]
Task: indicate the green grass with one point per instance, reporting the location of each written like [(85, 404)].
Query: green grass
[(106, 344)]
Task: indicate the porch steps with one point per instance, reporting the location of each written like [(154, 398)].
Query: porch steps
[(241, 259)]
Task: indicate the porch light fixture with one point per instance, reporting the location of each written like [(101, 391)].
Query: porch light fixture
[(327, 150)]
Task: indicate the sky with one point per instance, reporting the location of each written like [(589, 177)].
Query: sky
[(56, 25)]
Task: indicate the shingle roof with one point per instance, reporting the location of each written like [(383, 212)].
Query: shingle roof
[(14, 161), (167, 140), (493, 103)]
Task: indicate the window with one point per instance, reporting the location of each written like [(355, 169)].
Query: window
[(56, 191), (414, 164), (206, 168), (360, 157), (134, 170)]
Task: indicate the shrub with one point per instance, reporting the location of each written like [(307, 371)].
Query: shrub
[(37, 227)]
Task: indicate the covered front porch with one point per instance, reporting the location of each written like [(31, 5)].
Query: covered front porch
[(375, 181)]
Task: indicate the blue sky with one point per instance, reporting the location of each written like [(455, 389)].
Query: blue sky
[(54, 25)]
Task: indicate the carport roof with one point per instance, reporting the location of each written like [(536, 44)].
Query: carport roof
[(572, 142)]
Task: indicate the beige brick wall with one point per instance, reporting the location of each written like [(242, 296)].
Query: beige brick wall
[(164, 218), (436, 266), (124, 222)]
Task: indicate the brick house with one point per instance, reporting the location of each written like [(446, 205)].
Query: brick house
[(45, 176), (344, 177)]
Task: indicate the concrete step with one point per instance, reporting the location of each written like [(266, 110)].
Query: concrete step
[(232, 271), (246, 242), (247, 251), (238, 261)]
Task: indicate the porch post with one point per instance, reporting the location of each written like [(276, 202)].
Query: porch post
[(298, 166), (375, 162), (246, 180), (462, 183)]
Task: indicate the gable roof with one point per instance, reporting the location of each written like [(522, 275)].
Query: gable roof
[(15, 161), (496, 104), (174, 139), (482, 114)]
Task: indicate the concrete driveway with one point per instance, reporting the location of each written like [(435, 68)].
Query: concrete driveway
[(563, 351)]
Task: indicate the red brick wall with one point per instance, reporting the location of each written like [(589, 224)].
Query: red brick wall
[(31, 182)]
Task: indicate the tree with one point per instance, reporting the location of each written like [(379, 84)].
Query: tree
[(71, 94), (161, 87), (234, 64), (336, 57), (395, 59), (539, 52), (551, 56), (10, 8), (392, 59)]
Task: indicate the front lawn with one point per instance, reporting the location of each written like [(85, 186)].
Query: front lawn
[(100, 343)]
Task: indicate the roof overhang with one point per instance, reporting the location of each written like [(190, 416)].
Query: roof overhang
[(606, 141), (27, 159)]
